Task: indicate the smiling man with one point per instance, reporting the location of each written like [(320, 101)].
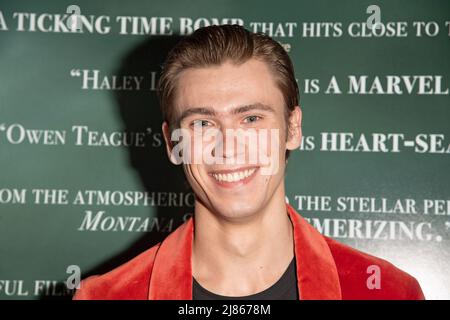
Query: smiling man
[(231, 116)]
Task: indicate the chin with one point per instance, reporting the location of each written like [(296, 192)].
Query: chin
[(236, 211)]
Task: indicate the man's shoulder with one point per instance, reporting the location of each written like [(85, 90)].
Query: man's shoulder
[(364, 276), (129, 281)]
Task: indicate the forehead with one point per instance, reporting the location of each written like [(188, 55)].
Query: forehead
[(227, 85)]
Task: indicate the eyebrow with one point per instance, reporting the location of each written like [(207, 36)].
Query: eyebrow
[(207, 111)]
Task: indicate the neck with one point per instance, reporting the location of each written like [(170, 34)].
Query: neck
[(252, 254)]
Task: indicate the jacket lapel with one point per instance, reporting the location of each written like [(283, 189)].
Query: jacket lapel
[(171, 277), (317, 276)]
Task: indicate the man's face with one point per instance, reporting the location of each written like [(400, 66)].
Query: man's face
[(227, 99)]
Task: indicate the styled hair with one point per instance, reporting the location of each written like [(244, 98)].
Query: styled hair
[(214, 45)]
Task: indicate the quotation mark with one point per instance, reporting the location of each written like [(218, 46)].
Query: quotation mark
[(2, 127), (447, 226)]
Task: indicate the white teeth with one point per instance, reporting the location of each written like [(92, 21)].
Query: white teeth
[(233, 177)]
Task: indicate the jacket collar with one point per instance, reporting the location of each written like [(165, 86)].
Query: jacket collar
[(317, 276)]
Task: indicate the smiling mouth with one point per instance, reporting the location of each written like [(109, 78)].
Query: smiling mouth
[(235, 176)]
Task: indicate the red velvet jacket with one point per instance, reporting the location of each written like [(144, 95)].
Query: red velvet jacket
[(326, 269)]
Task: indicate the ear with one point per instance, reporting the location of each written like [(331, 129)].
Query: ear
[(167, 138), (294, 138)]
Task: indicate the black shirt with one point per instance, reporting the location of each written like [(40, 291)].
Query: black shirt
[(284, 289)]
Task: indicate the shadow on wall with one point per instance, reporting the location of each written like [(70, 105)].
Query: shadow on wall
[(138, 111)]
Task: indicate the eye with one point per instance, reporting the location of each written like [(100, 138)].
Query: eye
[(200, 123), (251, 119)]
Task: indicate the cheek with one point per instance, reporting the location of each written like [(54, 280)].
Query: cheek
[(194, 177), (270, 148), (188, 150), (196, 150), (191, 172)]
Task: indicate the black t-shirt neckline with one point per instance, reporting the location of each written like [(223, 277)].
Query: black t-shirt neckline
[(284, 289)]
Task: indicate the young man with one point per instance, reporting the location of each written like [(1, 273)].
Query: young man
[(244, 240)]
